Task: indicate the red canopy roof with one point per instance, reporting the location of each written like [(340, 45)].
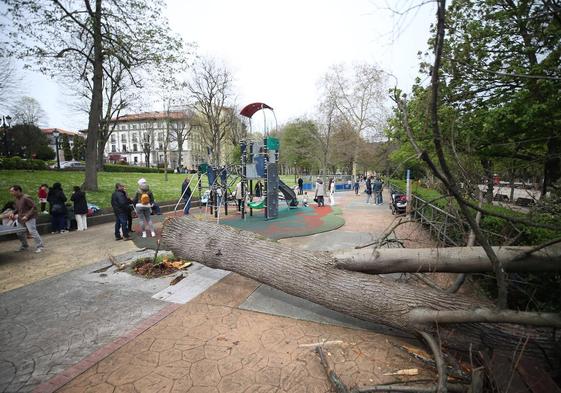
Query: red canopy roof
[(250, 109)]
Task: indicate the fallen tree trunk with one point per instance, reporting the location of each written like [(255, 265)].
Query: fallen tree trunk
[(449, 260), (314, 276)]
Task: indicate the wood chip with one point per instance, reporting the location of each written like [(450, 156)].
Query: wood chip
[(406, 371)]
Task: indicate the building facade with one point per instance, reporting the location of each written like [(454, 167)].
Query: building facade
[(140, 139), (49, 132)]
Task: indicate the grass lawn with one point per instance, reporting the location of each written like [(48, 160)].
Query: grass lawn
[(163, 191)]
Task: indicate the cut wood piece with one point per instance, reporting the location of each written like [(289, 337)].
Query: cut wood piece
[(449, 259), (313, 276)]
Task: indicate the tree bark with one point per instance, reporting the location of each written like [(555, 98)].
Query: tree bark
[(450, 260), (96, 105), (314, 276)]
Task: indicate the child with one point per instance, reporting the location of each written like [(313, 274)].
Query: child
[(305, 200), (42, 194), (143, 201)]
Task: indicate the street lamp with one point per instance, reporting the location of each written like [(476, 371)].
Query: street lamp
[(56, 134), (6, 122)]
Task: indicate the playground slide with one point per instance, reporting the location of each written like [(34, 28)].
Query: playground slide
[(288, 193)]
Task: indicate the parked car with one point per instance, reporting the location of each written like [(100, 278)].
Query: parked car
[(70, 165)]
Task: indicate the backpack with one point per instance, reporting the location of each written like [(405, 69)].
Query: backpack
[(145, 198)]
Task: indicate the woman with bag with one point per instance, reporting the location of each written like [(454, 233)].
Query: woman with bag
[(57, 208)]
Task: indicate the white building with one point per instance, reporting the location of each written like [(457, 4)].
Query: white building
[(140, 138)]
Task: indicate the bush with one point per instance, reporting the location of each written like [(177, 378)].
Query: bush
[(129, 168), (45, 153), (19, 163)]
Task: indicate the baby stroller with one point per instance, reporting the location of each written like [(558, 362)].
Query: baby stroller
[(398, 203)]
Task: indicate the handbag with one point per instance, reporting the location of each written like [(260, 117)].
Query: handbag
[(57, 208)]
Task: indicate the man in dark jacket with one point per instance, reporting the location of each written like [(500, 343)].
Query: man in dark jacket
[(300, 186), (368, 189), (120, 205)]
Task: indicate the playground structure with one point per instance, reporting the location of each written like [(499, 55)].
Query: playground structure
[(258, 175)]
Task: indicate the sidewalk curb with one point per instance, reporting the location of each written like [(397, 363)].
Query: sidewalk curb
[(61, 379)]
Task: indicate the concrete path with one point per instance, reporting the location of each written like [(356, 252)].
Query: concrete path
[(115, 332)]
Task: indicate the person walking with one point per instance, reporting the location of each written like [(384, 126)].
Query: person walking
[(80, 208), (143, 201), (320, 193), (239, 196), (25, 215), (356, 185), (377, 190), (300, 186), (368, 189), (57, 208), (42, 194), (120, 206), (332, 192), (186, 194)]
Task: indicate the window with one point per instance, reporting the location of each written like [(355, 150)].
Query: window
[(135, 159), (113, 139), (155, 125), (134, 126), (113, 149), (123, 137), (160, 136), (124, 148), (134, 147), (134, 138), (161, 146), (123, 127)]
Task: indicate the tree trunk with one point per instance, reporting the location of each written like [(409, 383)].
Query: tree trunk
[(449, 260), (96, 105), (100, 152), (313, 276)]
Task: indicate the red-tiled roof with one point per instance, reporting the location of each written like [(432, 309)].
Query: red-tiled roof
[(49, 131), (177, 115)]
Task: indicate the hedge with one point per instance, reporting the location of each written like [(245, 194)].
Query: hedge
[(20, 163), (530, 235), (130, 168)]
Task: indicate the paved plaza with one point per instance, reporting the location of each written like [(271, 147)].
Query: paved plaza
[(70, 325)]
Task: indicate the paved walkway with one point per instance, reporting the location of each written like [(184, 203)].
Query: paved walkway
[(216, 342)]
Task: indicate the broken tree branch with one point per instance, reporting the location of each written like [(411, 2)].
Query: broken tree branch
[(439, 360), (423, 315), (449, 259)]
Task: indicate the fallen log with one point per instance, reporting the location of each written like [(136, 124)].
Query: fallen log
[(449, 260), (314, 276)]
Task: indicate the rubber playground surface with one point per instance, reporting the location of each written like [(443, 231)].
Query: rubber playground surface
[(291, 222), (295, 222)]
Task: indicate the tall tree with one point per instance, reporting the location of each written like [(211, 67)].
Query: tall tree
[(359, 96), (27, 110), (9, 79), (134, 32), (67, 151), (210, 88), (504, 72), (299, 145)]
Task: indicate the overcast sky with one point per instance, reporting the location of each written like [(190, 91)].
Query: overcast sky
[(278, 51)]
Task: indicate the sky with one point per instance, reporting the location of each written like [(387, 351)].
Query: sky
[(278, 51)]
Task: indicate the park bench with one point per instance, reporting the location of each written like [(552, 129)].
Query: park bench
[(10, 230)]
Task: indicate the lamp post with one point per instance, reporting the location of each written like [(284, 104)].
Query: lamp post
[(56, 134), (6, 122)]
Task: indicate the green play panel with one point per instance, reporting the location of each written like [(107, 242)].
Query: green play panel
[(295, 222)]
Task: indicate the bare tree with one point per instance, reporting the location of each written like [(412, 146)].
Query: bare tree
[(9, 81), (210, 88), (27, 110), (181, 132), (358, 98)]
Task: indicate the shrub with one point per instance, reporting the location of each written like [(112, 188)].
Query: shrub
[(19, 163), (129, 168), (45, 153)]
